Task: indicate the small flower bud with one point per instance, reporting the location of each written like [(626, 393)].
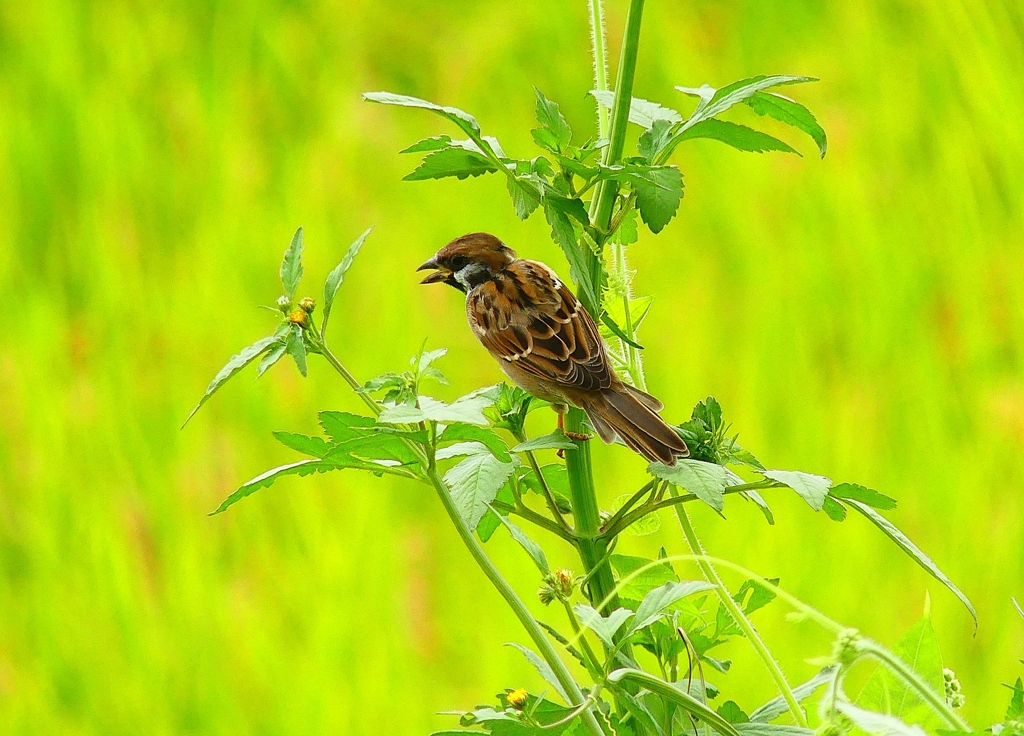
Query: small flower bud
[(547, 593), (951, 685), (308, 304), (298, 317), (517, 698), (564, 582), (284, 304), (844, 651)]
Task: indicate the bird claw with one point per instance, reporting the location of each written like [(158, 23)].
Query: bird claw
[(578, 436)]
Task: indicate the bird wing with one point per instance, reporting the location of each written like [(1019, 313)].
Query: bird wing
[(527, 315)]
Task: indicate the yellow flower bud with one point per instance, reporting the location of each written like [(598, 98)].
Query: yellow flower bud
[(517, 698)]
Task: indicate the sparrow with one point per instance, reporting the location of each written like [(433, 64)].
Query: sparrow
[(547, 343)]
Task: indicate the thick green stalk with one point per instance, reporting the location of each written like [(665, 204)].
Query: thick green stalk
[(740, 618), (597, 41), (604, 198)]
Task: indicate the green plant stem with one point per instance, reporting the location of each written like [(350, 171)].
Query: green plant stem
[(593, 663), (901, 668), (604, 198), (543, 644), (740, 618), (597, 42), (549, 497), (630, 503)]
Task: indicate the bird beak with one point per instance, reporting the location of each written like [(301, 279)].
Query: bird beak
[(436, 277)]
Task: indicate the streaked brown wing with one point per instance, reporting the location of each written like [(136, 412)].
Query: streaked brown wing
[(528, 316)]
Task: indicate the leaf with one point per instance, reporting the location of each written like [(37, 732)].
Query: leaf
[(867, 496), (460, 449), (1016, 708), (525, 193), (731, 712), (811, 488), (297, 348), (833, 509), (641, 112), (644, 582), (291, 266), (337, 276), (553, 123), (461, 118), (877, 723), (655, 602), (604, 627), (654, 140), (777, 705), (643, 526), (760, 596), (267, 479), (475, 482), (273, 355), (543, 668), (462, 432), (553, 441), (468, 409), (1017, 606), (758, 499), (492, 519), (729, 95), (233, 366), (677, 696), (614, 329), (886, 692), (704, 480), (452, 161), (313, 446), (739, 137), (558, 211), (341, 426), (533, 549), (790, 112), (912, 550), (659, 191)]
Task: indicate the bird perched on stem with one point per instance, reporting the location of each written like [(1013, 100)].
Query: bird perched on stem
[(547, 343)]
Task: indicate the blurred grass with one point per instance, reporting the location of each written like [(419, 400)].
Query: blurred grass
[(860, 317)]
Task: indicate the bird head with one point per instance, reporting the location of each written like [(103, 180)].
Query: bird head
[(469, 261)]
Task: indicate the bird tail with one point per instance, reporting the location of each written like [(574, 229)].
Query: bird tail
[(631, 415)]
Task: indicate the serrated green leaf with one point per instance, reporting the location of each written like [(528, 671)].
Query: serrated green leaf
[(868, 496), (474, 484), (525, 192), (790, 112), (436, 143), (759, 595), (659, 190), (724, 98), (605, 627), (312, 446), (660, 598), (877, 723), (560, 212), (644, 582), (554, 441), (1015, 710), (469, 432), (771, 729), (543, 668), (460, 449), (811, 488), (267, 479), (739, 137), (833, 509), (643, 526), (706, 481), (273, 355), (534, 550), (291, 266), (553, 122), (463, 119), (296, 348), (452, 161), (731, 712), (337, 276), (468, 410), (641, 112), (233, 366), (885, 692), (912, 550), (758, 499), (654, 140), (342, 426)]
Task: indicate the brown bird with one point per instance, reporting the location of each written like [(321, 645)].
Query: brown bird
[(547, 343)]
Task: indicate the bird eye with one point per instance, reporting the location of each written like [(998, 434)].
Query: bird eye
[(459, 262)]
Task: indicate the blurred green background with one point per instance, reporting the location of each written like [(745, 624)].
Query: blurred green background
[(861, 317)]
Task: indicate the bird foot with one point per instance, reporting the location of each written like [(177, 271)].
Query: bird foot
[(578, 436)]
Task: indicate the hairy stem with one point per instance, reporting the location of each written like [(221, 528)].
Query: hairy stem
[(597, 41), (740, 618)]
